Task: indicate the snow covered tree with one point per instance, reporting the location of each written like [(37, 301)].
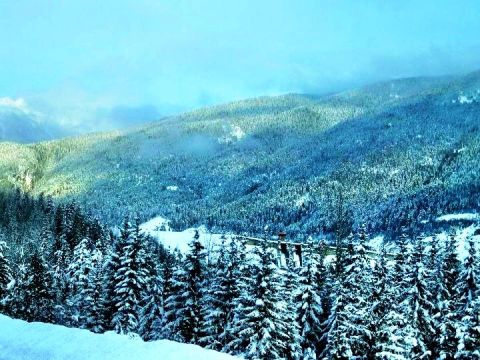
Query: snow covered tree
[(449, 317), (39, 299), (401, 270), (218, 302), (93, 304), (111, 267), (389, 327), (290, 286), (79, 280), (243, 298), (152, 310), (17, 306), (347, 331), (467, 286), (130, 283), (417, 307), (5, 273), (261, 323), (168, 289), (185, 305), (468, 332), (309, 303), (468, 307), (60, 260)]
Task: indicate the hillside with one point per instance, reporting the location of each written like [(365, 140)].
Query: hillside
[(33, 341), (390, 154)]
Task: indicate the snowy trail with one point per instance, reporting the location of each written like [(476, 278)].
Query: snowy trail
[(20, 340)]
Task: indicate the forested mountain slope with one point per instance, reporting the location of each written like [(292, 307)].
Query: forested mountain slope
[(391, 154)]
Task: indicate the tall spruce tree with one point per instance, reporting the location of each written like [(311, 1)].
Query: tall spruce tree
[(309, 304), (468, 307), (217, 302), (94, 296), (152, 310), (348, 333), (111, 267), (389, 327), (39, 298), (243, 298), (449, 316), (418, 308), (261, 324), (5, 274), (290, 286), (80, 273), (185, 305), (131, 279)]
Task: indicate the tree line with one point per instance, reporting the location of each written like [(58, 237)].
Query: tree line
[(422, 302)]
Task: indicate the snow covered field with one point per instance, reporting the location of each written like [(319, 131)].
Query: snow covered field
[(159, 229), (20, 340)]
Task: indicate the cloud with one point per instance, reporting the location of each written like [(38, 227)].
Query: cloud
[(10, 104), (20, 123)]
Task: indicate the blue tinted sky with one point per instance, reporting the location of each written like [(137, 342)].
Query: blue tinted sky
[(83, 60)]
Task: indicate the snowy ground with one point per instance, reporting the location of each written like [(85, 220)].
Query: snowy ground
[(20, 340), (453, 217), (159, 229)]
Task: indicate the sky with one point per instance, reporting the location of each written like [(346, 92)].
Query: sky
[(97, 64)]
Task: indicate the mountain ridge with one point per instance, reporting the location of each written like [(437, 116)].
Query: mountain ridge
[(292, 162)]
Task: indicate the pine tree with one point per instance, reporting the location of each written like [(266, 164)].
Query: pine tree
[(290, 286), (152, 310), (217, 306), (468, 307), (5, 274), (93, 304), (434, 272), (468, 332), (185, 305), (242, 291), (400, 274), (390, 329), (348, 334), (309, 303), (130, 283), (467, 287), (39, 299), (169, 291), (261, 323), (60, 259), (79, 282), (111, 267), (418, 308), (17, 306), (449, 318)]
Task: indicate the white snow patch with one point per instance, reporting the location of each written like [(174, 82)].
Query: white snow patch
[(302, 200), (20, 340), (461, 236), (156, 224), (375, 243), (159, 229), (462, 99), (452, 217), (235, 134)]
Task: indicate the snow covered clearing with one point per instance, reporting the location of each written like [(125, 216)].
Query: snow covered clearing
[(453, 217), (20, 340), (159, 229)]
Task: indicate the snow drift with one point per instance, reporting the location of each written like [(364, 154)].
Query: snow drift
[(20, 340)]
